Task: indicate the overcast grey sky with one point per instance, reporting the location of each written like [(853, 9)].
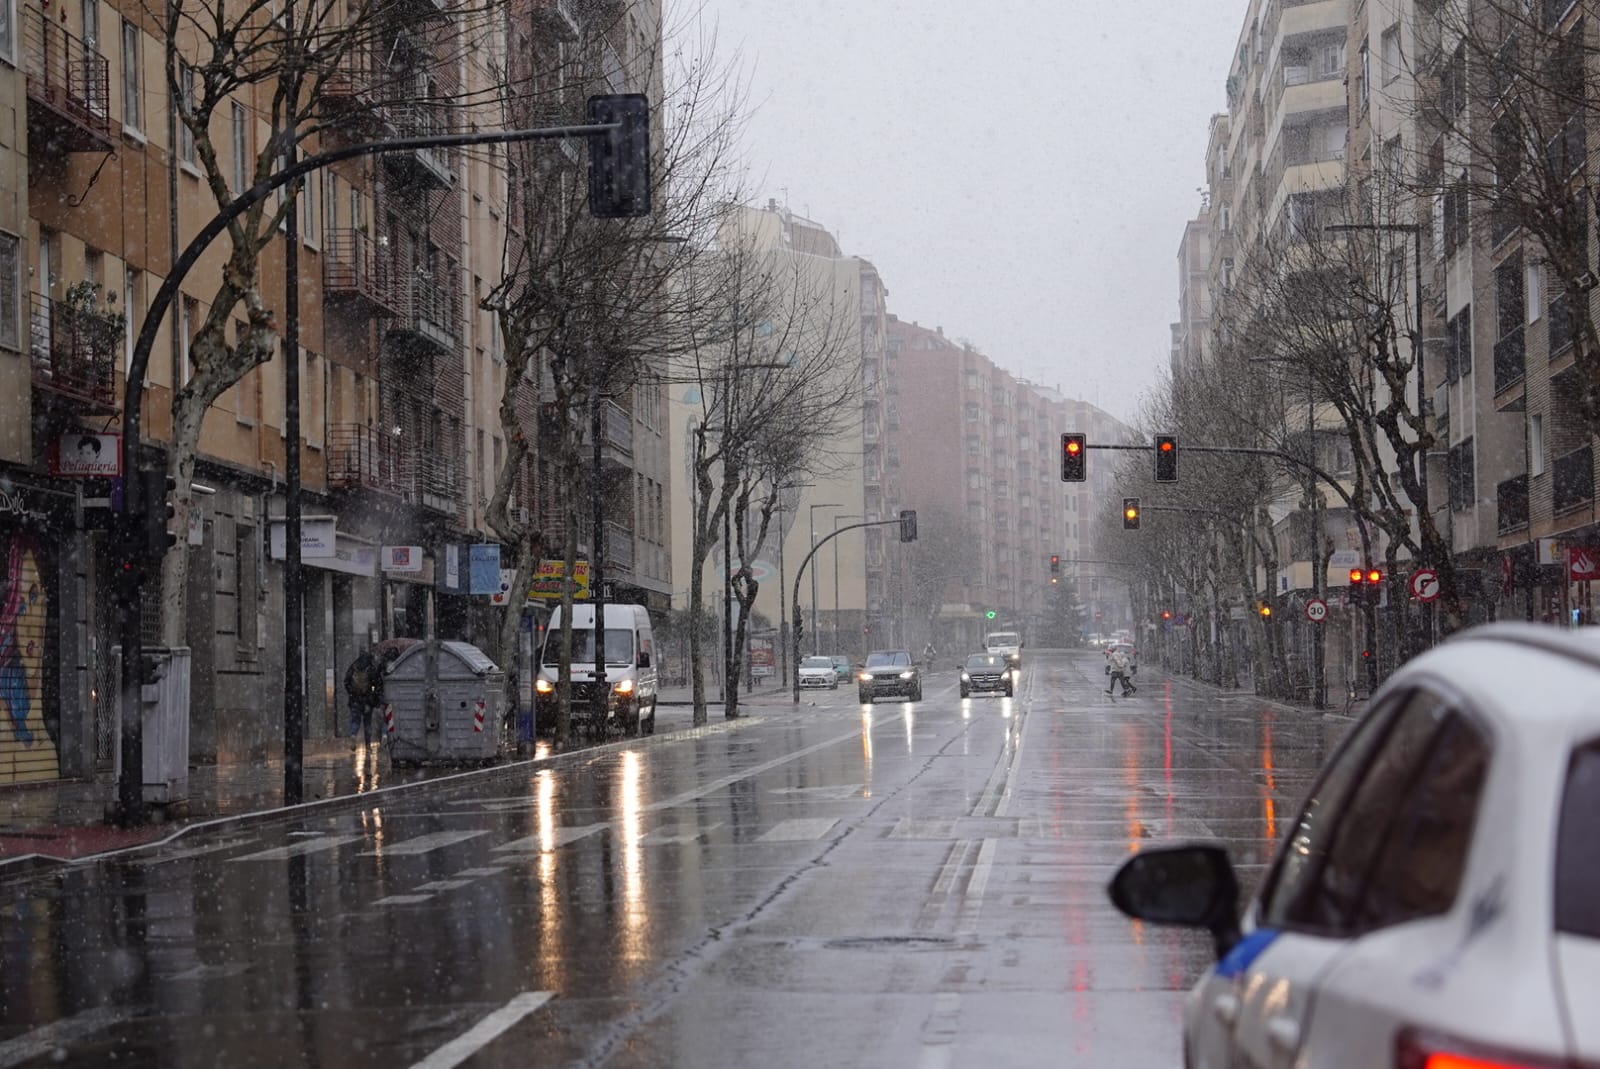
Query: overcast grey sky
[(1019, 171)]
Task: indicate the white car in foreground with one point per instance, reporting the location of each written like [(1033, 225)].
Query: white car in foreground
[(819, 672), (1436, 904)]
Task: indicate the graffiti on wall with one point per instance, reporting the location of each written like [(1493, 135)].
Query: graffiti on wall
[(27, 729)]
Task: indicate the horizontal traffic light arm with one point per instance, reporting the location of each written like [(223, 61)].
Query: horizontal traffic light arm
[(800, 571), (1247, 451)]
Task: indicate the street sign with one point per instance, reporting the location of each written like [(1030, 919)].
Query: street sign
[(1425, 584), (1316, 610)]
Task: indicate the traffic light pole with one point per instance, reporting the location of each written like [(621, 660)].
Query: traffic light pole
[(136, 566), (800, 572)]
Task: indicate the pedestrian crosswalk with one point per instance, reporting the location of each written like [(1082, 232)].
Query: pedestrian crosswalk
[(300, 848), (423, 844)]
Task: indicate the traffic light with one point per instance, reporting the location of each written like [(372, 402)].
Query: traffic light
[(1074, 458), (1055, 565), (1130, 514), (155, 490), (1364, 583), (1265, 610), (908, 525), (990, 615), (619, 160), (1166, 614), (1166, 458)]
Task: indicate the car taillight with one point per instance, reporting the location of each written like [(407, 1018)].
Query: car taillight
[(1421, 1050)]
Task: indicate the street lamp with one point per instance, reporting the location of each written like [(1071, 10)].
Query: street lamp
[(836, 610), (816, 646)]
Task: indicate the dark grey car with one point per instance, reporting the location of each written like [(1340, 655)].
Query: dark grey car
[(889, 672), (988, 673)]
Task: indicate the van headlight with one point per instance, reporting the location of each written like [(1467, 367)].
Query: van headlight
[(905, 675), (624, 686), (865, 677), (543, 686)]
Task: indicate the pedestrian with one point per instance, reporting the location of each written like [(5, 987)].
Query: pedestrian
[(361, 686), (1119, 673)]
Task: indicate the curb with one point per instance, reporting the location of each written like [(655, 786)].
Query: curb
[(30, 864), (1288, 707)]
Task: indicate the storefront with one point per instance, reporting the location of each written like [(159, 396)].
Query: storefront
[(37, 742)]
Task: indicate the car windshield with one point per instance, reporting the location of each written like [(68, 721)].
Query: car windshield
[(619, 646), (817, 662), (979, 661), (1003, 638), (887, 660)]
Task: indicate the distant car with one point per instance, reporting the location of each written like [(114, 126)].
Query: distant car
[(842, 667), (1436, 899), (1125, 647), (889, 672), (818, 672), (989, 673)]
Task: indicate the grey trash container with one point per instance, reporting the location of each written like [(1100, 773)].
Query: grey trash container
[(466, 722)]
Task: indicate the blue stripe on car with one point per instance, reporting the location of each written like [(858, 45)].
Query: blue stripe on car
[(1245, 952)]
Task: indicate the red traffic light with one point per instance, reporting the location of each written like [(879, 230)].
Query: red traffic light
[(1165, 615), (1356, 575), (1055, 558), (1374, 576), (1074, 446)]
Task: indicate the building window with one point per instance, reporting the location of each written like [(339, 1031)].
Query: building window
[(1391, 54), (10, 287), (1536, 444), (8, 31), (241, 148), (132, 115), (132, 309), (247, 595), (186, 322), (312, 416), (186, 97), (330, 201), (1364, 79), (1535, 287), (1459, 471)]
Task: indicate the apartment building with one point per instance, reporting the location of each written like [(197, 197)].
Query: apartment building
[(400, 369), (979, 458), (843, 597)]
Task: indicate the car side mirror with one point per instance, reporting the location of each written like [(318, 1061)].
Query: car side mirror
[(1191, 885), (644, 658)]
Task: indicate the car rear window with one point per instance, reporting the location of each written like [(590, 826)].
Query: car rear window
[(1577, 852)]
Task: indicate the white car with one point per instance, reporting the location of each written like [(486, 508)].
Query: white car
[(818, 672), (1436, 903)]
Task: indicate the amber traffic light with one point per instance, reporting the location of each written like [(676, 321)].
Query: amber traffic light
[(1130, 514)]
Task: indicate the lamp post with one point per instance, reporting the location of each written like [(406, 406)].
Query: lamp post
[(836, 609), (816, 645), (783, 595)]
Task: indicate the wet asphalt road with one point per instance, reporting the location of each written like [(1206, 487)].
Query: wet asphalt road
[(828, 886)]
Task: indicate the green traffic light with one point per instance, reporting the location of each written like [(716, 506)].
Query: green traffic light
[(989, 614)]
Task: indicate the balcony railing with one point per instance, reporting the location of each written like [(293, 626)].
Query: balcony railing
[(366, 458), (68, 361), (556, 18), (434, 482), (1566, 152), (1574, 479), (427, 314), (355, 267), (72, 83), (617, 427), (1512, 496), (1510, 360), (426, 167), (1560, 324), (619, 547)]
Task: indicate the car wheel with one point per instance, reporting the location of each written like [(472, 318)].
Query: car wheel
[(649, 726), (916, 693), (1010, 691), (966, 692), (865, 698)]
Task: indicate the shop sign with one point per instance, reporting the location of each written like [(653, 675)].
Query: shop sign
[(484, 569), (14, 507), (86, 455), (1552, 551), (550, 580), (318, 535), (405, 559), (1583, 563)]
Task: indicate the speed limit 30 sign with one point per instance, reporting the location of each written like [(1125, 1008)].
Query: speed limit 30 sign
[(1316, 610)]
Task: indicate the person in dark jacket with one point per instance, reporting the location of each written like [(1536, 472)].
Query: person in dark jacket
[(362, 685)]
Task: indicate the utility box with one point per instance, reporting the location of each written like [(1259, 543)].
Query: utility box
[(164, 709), (455, 717)]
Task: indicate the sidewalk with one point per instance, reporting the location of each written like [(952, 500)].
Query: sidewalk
[(66, 819)]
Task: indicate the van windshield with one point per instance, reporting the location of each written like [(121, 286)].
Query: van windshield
[(619, 646)]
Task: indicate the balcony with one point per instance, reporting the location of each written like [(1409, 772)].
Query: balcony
[(555, 17), (425, 168), (1574, 479), (619, 548), (1510, 360), (357, 270), (353, 94), (1565, 153), (69, 89), (365, 458), (616, 435), (1512, 497), (433, 482), (426, 316), (72, 362)]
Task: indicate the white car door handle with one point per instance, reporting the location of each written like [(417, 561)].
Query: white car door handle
[(1226, 1008), (1284, 1034)]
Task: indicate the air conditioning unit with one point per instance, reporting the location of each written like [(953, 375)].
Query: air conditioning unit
[(1585, 282), (520, 514)]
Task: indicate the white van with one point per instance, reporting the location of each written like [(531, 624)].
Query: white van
[(630, 667), (1007, 644)]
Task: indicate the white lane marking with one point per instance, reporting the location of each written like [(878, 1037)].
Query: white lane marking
[(727, 781), (212, 972), (662, 836), (980, 873), (485, 1031), (839, 791), (490, 870), (928, 828), (306, 834), (403, 900), (445, 885), (422, 844), (57, 1034), (300, 849), (562, 837), (804, 829)]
